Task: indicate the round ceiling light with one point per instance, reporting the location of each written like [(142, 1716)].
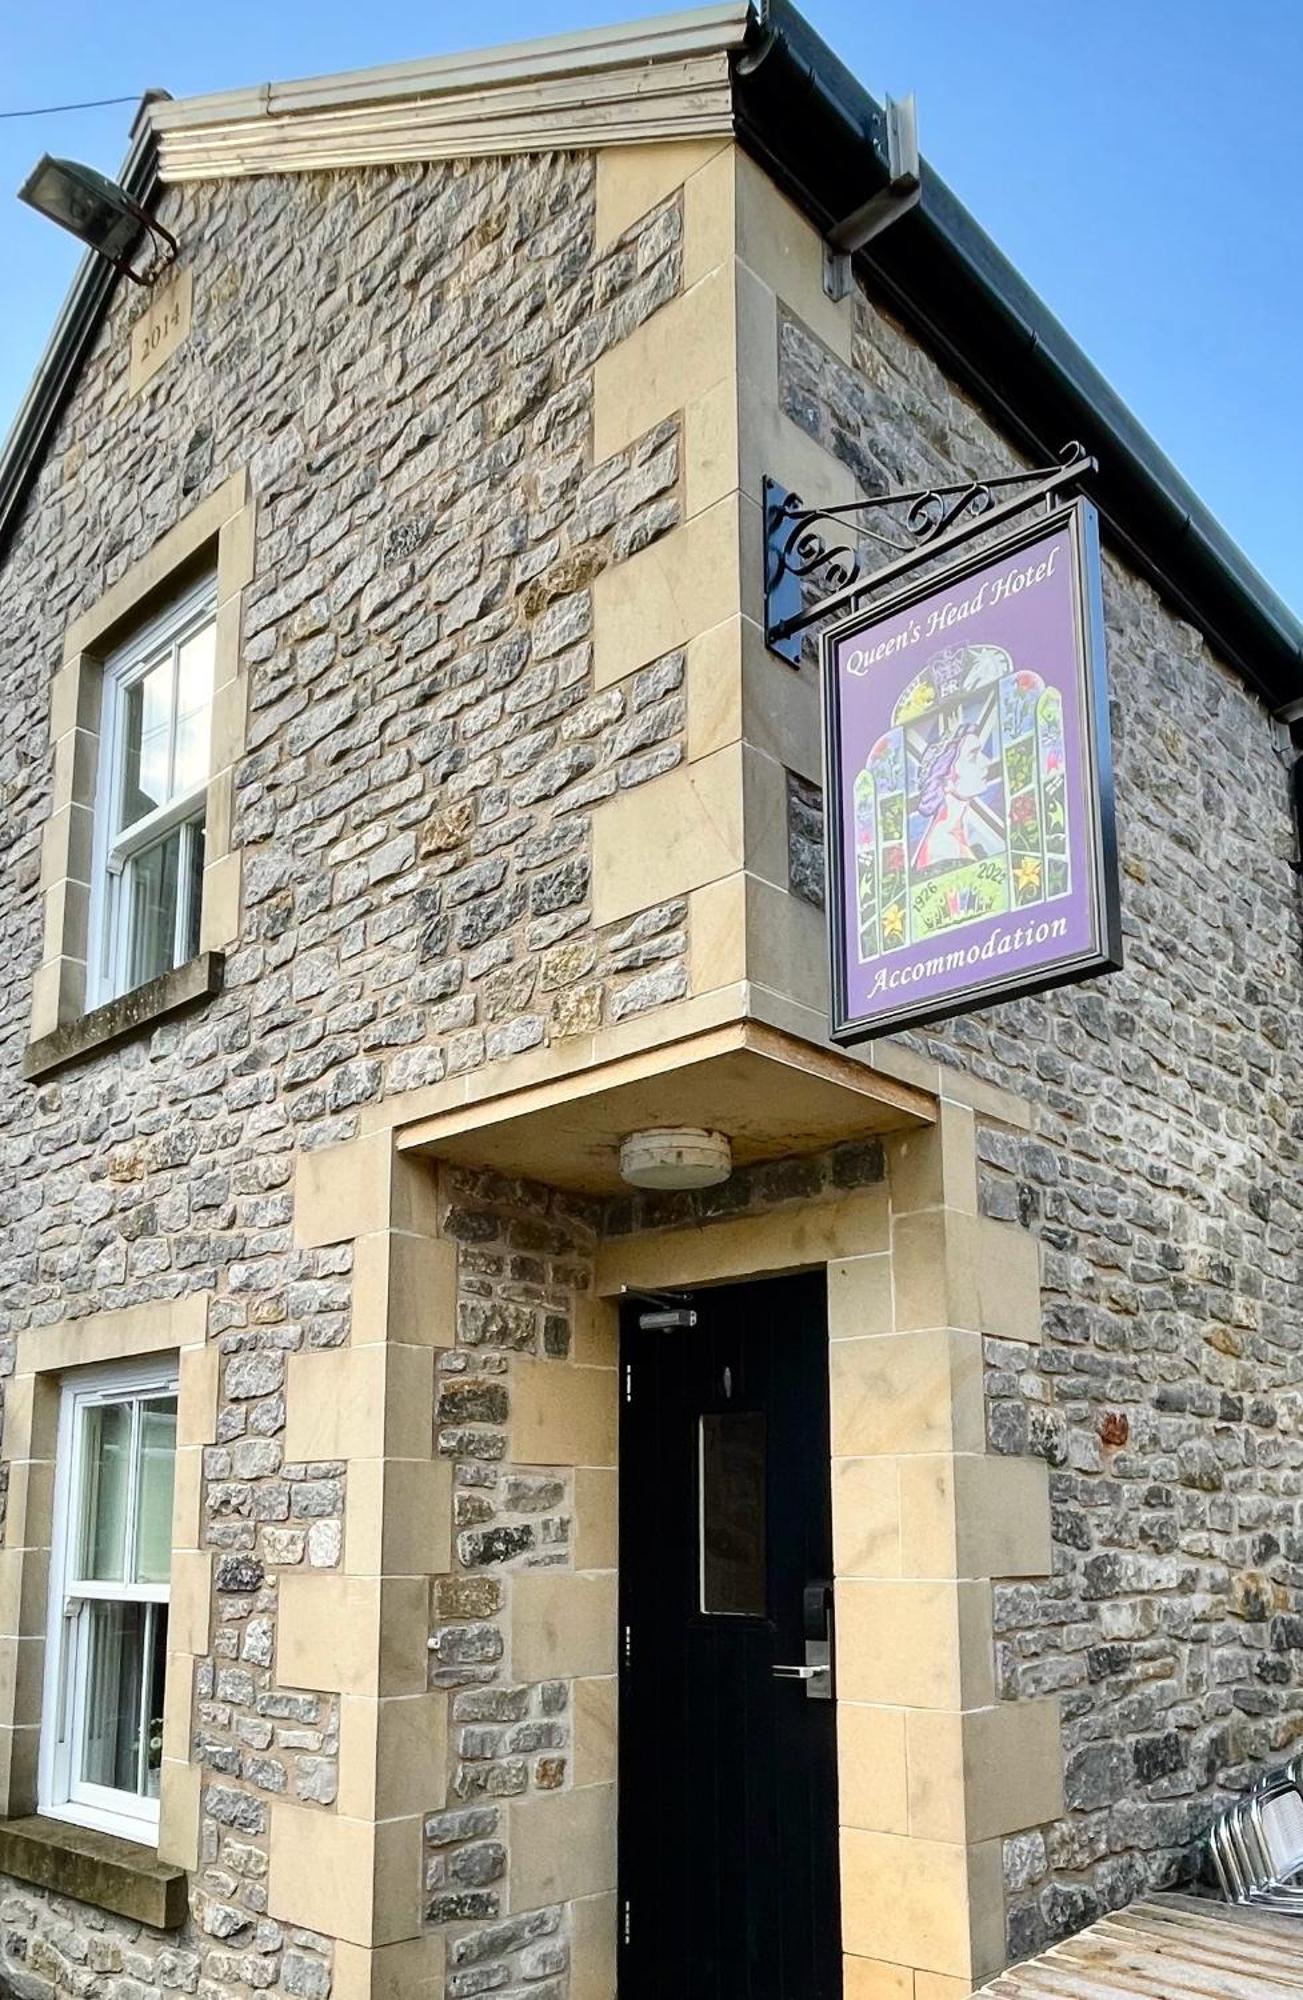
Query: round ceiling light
[(675, 1156)]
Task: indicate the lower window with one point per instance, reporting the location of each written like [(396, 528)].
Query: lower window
[(102, 1727)]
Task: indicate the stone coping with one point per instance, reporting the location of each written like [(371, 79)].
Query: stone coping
[(97, 1868), (117, 1020)]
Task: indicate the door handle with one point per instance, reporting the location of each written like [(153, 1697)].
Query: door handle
[(816, 1623)]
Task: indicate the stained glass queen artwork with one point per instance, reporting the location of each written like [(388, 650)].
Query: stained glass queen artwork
[(961, 807)]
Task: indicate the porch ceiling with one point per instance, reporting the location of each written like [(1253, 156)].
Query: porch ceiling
[(773, 1095)]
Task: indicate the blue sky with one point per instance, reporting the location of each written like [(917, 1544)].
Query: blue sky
[(1137, 159)]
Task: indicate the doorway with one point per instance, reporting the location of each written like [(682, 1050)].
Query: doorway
[(728, 1774)]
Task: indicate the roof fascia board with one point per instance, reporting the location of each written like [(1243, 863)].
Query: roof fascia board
[(675, 98), (704, 31)]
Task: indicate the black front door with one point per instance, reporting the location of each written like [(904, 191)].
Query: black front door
[(728, 1786)]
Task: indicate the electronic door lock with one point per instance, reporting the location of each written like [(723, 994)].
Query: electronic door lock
[(816, 1622)]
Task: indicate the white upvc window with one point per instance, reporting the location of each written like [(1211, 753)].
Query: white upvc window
[(102, 1720), (155, 755)]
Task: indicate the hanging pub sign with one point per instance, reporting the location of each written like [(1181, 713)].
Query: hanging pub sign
[(968, 785)]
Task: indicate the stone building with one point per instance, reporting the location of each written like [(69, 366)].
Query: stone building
[(401, 807)]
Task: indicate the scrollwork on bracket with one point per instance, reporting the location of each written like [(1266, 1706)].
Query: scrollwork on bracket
[(803, 542)]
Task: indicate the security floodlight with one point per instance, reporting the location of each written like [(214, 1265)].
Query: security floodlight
[(96, 210)]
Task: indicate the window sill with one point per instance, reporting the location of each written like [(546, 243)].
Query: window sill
[(96, 1868), (198, 979)]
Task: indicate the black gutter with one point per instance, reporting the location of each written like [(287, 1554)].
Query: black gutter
[(818, 133), (80, 319)]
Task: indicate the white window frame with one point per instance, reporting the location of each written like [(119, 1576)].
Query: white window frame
[(61, 1794), (109, 932)]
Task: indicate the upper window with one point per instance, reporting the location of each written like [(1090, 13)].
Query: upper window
[(102, 1727), (155, 737)]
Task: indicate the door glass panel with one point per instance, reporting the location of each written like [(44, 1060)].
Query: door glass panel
[(107, 1474), (733, 1514)]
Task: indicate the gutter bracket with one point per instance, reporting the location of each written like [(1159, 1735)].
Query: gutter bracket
[(882, 209)]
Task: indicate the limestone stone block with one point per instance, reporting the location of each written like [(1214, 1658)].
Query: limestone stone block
[(597, 1517), (190, 1605), (355, 1635), (784, 249), (747, 1246), (592, 1948), (660, 598), (342, 1191), (22, 1663), (866, 1517), (929, 1904), (595, 1701), (398, 1521), (663, 839), (985, 1772), (971, 1271), (198, 1371), (404, 1289), (632, 180), (859, 1297), (219, 910), (347, 1878), (872, 1779), (393, 1755), (874, 1979), (180, 1789), (562, 1845), (67, 915), (710, 443), (187, 1489), (235, 553), (75, 696), (935, 1166), (785, 942), (975, 1516), (562, 1414), (907, 1392), (412, 1969), (709, 212), (914, 1645), (666, 364), (67, 844), (717, 927), (563, 1623), (596, 1342), (359, 1402), (714, 685)]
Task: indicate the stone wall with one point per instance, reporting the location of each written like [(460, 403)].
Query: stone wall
[(1161, 1178), (524, 1271), (402, 360)]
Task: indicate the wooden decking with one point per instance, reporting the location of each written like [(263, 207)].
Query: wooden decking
[(1168, 1948)]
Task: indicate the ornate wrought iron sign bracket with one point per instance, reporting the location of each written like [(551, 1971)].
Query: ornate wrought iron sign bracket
[(914, 527)]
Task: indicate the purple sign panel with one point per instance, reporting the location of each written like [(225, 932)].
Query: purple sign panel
[(970, 813)]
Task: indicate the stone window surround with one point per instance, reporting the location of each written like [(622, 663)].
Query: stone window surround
[(218, 531), (116, 1874)]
